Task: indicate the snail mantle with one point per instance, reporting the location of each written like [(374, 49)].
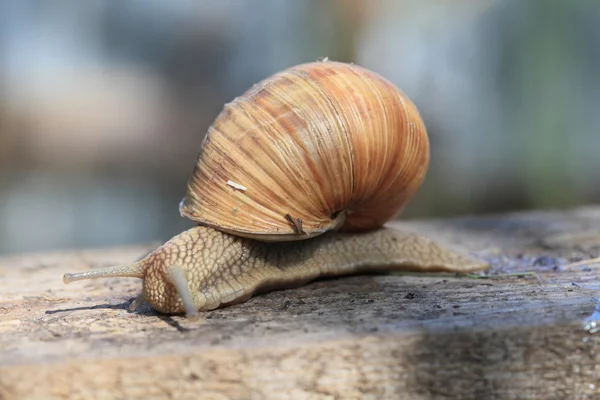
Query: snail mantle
[(526, 328)]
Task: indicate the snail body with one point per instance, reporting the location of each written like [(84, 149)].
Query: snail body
[(202, 268), (294, 181)]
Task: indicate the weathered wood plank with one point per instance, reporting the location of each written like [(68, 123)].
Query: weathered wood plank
[(384, 336)]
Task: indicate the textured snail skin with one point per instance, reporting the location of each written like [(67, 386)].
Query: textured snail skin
[(203, 269)]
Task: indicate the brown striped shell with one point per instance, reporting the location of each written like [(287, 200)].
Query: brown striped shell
[(316, 147)]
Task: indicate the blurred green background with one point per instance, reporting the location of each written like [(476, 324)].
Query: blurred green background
[(103, 104)]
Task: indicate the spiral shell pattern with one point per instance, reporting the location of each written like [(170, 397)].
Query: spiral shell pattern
[(317, 147)]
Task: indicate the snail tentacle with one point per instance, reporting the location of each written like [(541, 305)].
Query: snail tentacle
[(135, 270), (177, 277), (137, 302)]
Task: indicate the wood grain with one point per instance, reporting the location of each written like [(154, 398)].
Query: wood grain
[(399, 336)]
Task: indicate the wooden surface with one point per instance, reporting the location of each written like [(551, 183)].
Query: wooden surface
[(435, 336)]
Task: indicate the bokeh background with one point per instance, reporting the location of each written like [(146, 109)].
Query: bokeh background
[(103, 103)]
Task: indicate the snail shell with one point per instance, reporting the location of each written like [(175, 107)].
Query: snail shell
[(317, 147)]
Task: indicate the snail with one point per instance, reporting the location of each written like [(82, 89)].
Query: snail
[(295, 180)]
